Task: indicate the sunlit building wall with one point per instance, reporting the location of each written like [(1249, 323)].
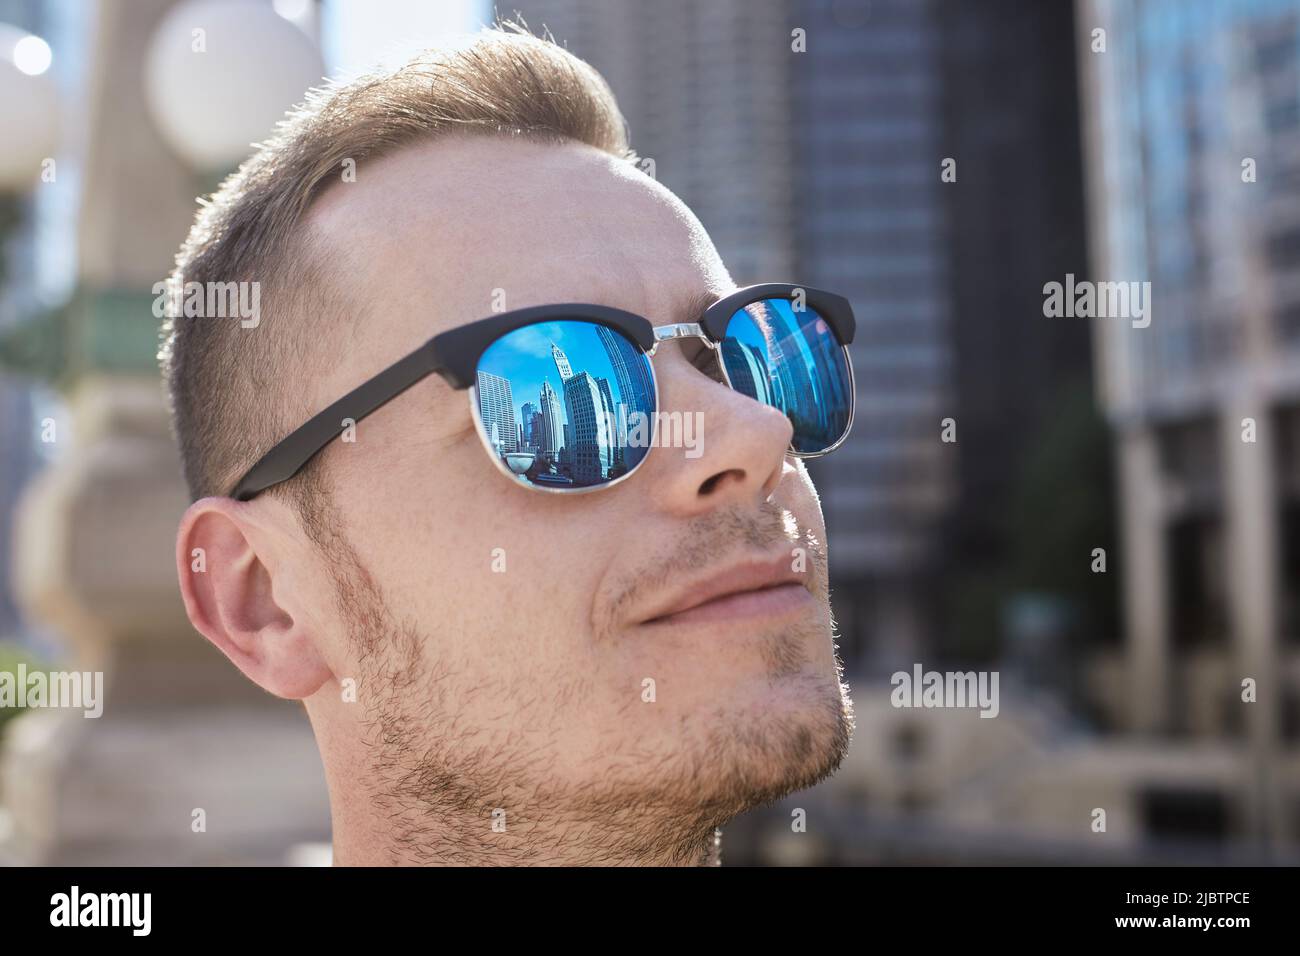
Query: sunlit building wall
[(497, 410), (1194, 148)]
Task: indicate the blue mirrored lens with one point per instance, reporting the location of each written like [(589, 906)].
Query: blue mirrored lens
[(790, 359), (566, 404)]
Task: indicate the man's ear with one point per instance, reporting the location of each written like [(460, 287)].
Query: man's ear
[(226, 557)]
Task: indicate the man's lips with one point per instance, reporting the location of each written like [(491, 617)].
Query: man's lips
[(749, 588)]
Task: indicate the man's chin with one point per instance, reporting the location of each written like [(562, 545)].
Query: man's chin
[(729, 749), (796, 740), (793, 739)]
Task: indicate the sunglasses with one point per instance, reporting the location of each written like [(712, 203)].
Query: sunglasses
[(564, 397)]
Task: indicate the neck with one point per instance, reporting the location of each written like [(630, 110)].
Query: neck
[(373, 836), (418, 809)]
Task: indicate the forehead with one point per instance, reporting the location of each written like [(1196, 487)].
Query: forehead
[(448, 231)]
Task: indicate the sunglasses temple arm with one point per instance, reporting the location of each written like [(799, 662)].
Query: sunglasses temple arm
[(289, 457)]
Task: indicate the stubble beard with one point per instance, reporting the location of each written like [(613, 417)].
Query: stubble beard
[(442, 794)]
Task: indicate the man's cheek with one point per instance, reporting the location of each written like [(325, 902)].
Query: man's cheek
[(805, 502)]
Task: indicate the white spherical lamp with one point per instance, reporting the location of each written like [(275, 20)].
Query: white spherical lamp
[(29, 108), (219, 74)]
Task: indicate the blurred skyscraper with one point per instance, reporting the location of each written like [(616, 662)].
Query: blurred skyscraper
[(866, 128), (1194, 136), (705, 88)]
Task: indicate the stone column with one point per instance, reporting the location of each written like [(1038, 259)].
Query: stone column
[(1251, 510), (1145, 573)]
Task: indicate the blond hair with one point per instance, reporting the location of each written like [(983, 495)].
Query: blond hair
[(233, 390)]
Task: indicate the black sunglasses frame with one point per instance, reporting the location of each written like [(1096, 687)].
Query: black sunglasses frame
[(455, 354)]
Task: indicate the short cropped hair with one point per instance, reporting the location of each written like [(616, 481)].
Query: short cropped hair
[(236, 391)]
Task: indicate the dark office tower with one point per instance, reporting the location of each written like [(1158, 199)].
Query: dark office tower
[(868, 137), (705, 90), (945, 278), (526, 413), (1015, 220), (536, 426), (633, 377)]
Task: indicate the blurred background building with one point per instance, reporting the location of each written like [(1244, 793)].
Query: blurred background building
[(938, 162), (1194, 119)]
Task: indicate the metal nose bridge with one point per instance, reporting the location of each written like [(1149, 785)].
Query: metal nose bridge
[(679, 330)]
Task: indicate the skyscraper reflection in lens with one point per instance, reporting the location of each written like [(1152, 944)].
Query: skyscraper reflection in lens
[(582, 389)]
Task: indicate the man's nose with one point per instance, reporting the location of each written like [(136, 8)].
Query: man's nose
[(717, 447)]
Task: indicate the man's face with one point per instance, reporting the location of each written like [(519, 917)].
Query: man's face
[(502, 638)]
